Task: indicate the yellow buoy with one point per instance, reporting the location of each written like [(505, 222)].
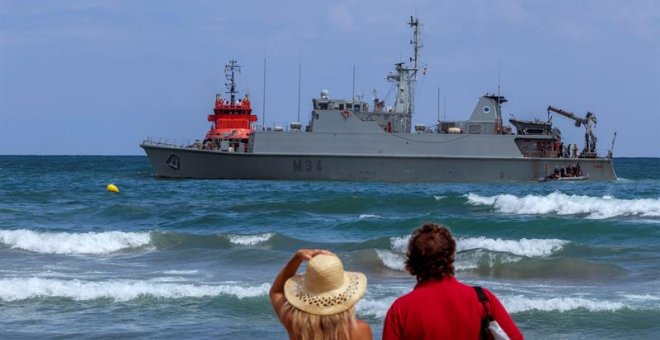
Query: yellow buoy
[(112, 188)]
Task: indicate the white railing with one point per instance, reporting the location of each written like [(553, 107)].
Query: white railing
[(172, 142)]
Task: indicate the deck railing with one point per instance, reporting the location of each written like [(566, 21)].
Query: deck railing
[(171, 142)]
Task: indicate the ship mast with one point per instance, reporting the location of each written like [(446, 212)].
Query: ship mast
[(417, 45), (230, 70), (406, 77)]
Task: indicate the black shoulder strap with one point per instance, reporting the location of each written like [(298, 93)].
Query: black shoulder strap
[(480, 293), (484, 334)]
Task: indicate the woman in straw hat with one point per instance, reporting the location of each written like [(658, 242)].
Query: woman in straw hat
[(319, 304)]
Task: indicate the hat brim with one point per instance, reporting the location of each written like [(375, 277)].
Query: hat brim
[(326, 303)]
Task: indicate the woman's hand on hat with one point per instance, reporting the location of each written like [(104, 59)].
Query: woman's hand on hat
[(307, 254)]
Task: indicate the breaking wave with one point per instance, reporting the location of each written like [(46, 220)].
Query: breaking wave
[(399, 244), (73, 243), (522, 247), (368, 216), (518, 303), (489, 251), (249, 240), (376, 308), (15, 289), (391, 260), (562, 204)]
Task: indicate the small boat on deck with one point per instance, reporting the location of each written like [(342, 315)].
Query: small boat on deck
[(565, 178)]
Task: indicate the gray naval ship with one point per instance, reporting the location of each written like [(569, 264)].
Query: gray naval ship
[(353, 140)]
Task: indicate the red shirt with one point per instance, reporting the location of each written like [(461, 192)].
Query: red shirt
[(445, 309)]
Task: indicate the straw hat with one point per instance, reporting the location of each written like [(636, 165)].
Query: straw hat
[(325, 288)]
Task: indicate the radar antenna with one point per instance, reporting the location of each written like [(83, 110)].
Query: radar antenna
[(230, 71), (417, 45)]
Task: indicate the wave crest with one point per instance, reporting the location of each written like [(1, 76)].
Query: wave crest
[(73, 243), (522, 247), (391, 260), (15, 289), (249, 240), (562, 204), (399, 244), (519, 303), (368, 217)]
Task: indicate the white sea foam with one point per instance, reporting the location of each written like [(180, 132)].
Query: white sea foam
[(523, 247), (368, 216), (73, 243), (473, 260), (519, 303), (14, 289), (373, 308), (249, 240), (391, 260), (399, 244), (562, 204), (438, 197)]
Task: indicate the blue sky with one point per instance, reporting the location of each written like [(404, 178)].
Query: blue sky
[(97, 77)]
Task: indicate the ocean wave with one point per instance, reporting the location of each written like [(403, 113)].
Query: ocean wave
[(73, 243), (15, 289), (562, 204), (519, 303), (391, 260), (399, 244), (249, 240), (376, 308), (481, 258), (522, 247), (368, 216)]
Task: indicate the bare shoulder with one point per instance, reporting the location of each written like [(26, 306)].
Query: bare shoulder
[(362, 331)]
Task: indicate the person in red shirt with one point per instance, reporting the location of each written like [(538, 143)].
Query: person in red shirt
[(440, 306)]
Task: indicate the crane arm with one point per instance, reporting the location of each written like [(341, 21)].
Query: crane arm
[(567, 114)]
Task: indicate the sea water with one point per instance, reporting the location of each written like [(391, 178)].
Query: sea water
[(195, 258)]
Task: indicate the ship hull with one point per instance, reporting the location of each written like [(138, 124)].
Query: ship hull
[(182, 162)]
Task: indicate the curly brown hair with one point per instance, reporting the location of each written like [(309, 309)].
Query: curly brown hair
[(431, 252)]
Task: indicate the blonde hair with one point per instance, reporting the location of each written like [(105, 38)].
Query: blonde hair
[(308, 326)]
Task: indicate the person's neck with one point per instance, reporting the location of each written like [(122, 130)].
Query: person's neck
[(434, 279)]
